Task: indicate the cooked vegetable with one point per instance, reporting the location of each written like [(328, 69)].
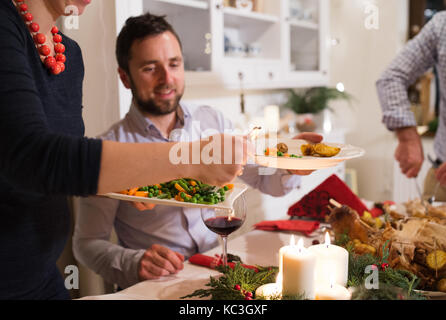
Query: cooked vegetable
[(441, 285), (436, 260), (307, 149), (326, 151), (319, 149), (282, 147), (184, 190)]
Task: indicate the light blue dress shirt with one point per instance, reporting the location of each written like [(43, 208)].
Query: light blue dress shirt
[(180, 229)]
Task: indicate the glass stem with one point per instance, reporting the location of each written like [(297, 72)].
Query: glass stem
[(225, 251)]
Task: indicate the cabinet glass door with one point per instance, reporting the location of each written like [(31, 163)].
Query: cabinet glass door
[(191, 20)]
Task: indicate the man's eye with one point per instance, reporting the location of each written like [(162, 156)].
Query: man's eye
[(148, 69)]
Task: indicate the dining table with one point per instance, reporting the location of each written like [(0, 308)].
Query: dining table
[(255, 247)]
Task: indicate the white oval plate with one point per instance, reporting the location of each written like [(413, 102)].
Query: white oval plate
[(432, 294), (231, 196), (306, 162)]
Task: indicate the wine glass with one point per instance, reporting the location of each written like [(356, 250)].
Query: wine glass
[(224, 222)]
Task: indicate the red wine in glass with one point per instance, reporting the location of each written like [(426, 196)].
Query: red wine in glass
[(223, 226)]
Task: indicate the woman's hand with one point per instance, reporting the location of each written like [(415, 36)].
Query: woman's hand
[(222, 158)]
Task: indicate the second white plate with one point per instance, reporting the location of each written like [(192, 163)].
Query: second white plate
[(305, 162)]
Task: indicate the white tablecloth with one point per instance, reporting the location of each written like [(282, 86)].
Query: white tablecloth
[(255, 248)]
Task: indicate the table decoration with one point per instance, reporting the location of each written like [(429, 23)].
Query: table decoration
[(235, 283), (331, 263), (297, 267)]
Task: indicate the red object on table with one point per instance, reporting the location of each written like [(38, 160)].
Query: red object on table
[(306, 227), (315, 204), (213, 262)]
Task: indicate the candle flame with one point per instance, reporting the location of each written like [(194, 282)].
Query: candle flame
[(327, 239), (300, 244), (292, 241)]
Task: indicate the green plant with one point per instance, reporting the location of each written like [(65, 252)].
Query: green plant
[(314, 100)]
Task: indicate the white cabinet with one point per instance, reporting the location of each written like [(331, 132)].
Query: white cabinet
[(284, 45)]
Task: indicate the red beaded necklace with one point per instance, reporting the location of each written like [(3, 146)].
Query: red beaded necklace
[(56, 64)]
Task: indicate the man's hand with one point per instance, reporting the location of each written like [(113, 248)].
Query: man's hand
[(409, 152), (159, 261), (440, 174), (310, 137), (142, 206)]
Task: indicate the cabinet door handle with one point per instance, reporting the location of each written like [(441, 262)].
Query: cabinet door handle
[(271, 75)]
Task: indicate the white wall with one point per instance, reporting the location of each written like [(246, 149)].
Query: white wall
[(358, 61)]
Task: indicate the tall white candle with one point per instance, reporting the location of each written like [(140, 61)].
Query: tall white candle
[(297, 266), (331, 261), (272, 118)]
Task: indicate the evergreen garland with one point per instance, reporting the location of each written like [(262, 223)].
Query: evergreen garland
[(241, 283)]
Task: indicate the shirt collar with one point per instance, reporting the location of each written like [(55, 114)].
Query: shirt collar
[(146, 125)]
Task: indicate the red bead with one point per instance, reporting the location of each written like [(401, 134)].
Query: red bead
[(248, 294), (50, 62), (34, 27), (45, 50), (54, 30), (62, 66), (57, 38), (40, 38), (23, 7), (28, 17), (61, 58), (59, 48), (57, 69), (237, 287)]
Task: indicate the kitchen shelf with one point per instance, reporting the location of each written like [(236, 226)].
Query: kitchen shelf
[(308, 25), (188, 3), (238, 18)]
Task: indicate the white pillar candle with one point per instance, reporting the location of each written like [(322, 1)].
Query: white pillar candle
[(269, 291), (332, 292), (297, 266), (331, 260), (272, 118)]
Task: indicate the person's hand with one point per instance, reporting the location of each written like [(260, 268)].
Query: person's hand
[(440, 174), (409, 152), (142, 206), (159, 261), (222, 158), (310, 137)]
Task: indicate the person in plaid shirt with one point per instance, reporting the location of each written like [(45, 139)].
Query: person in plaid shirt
[(427, 50)]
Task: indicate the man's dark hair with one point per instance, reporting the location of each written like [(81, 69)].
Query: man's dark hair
[(138, 28)]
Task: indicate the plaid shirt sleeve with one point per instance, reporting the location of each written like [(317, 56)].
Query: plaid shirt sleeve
[(419, 55)]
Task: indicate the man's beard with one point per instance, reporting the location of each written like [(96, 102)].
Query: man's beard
[(150, 106)]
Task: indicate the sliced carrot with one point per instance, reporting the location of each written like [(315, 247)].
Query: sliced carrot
[(159, 186), (124, 192), (193, 183), (179, 188), (267, 152), (144, 194), (286, 155), (230, 186), (132, 191)]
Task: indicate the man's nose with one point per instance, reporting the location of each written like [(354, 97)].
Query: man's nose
[(166, 76)]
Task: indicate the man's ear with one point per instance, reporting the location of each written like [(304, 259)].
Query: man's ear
[(125, 78)]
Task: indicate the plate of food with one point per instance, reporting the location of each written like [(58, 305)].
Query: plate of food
[(291, 154), (184, 193)]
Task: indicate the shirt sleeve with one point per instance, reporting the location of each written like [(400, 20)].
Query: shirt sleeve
[(419, 55), (92, 246), (32, 156)]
